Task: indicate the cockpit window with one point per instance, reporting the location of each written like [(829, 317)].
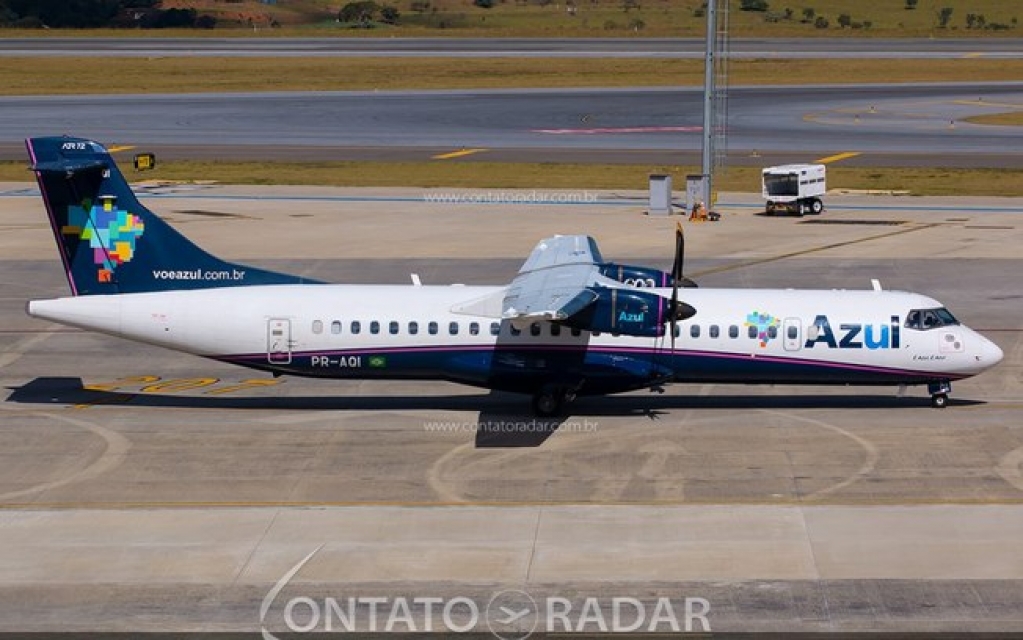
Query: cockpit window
[(924, 319)]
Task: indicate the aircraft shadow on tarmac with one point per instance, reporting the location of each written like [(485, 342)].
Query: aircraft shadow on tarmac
[(504, 419)]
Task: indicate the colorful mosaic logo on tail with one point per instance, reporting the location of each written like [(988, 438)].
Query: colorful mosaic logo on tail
[(111, 233), (766, 324)]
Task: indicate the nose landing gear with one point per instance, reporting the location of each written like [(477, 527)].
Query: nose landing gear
[(551, 399), (939, 393)]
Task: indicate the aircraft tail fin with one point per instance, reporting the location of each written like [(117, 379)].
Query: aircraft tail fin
[(109, 242)]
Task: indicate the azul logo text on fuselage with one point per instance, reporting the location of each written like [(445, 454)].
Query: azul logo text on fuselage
[(854, 335)]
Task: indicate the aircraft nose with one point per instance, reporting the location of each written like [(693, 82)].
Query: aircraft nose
[(990, 354)]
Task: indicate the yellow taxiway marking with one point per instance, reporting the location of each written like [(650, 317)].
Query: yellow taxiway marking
[(838, 156), (457, 154), (120, 147), (975, 54)]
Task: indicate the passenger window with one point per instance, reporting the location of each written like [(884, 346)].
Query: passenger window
[(514, 330), (694, 331), (555, 330), (432, 328), (335, 327), (356, 327), (474, 328), (495, 328), (733, 331), (534, 329), (772, 332), (678, 330), (595, 334), (317, 326), (792, 333), (752, 332), (453, 328), (413, 328), (714, 331), (393, 328), (576, 332), (374, 327)]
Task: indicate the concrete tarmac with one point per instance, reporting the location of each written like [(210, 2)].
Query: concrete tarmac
[(142, 490), (808, 122)]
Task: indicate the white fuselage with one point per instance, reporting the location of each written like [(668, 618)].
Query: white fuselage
[(372, 331)]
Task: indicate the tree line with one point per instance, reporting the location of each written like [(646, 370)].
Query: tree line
[(85, 14)]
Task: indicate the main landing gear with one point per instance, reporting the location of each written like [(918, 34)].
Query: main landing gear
[(939, 393), (550, 400)]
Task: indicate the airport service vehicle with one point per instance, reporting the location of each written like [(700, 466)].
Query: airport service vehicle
[(795, 188), (569, 324)]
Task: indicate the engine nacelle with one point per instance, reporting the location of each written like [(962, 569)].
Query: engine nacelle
[(641, 277), (625, 311)]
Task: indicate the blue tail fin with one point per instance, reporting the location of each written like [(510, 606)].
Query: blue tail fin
[(109, 242)]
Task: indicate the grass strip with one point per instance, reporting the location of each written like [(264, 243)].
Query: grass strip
[(498, 175), (65, 76)]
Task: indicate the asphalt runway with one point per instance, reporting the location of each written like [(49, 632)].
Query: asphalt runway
[(686, 48), (919, 123), (141, 490)]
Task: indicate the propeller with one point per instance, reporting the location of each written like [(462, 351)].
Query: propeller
[(679, 310), (676, 275)]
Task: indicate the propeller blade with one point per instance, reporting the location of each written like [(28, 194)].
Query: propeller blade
[(680, 253), (676, 276)]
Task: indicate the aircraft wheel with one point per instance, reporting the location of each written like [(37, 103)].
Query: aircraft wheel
[(816, 206), (548, 402), (939, 400)]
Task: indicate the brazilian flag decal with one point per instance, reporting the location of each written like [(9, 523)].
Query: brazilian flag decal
[(377, 362)]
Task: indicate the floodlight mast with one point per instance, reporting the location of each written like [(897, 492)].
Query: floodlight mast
[(709, 102)]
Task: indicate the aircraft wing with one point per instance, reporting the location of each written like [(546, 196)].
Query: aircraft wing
[(554, 282)]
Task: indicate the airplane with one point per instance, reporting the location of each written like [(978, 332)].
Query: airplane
[(569, 324)]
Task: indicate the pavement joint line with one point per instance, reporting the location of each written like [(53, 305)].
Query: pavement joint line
[(532, 551), (789, 502), (17, 350), (802, 252), (255, 548)]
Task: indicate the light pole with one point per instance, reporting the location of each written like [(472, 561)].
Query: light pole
[(709, 102)]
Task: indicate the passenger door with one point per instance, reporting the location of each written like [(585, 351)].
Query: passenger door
[(278, 341)]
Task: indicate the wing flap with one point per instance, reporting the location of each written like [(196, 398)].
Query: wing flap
[(553, 282)]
